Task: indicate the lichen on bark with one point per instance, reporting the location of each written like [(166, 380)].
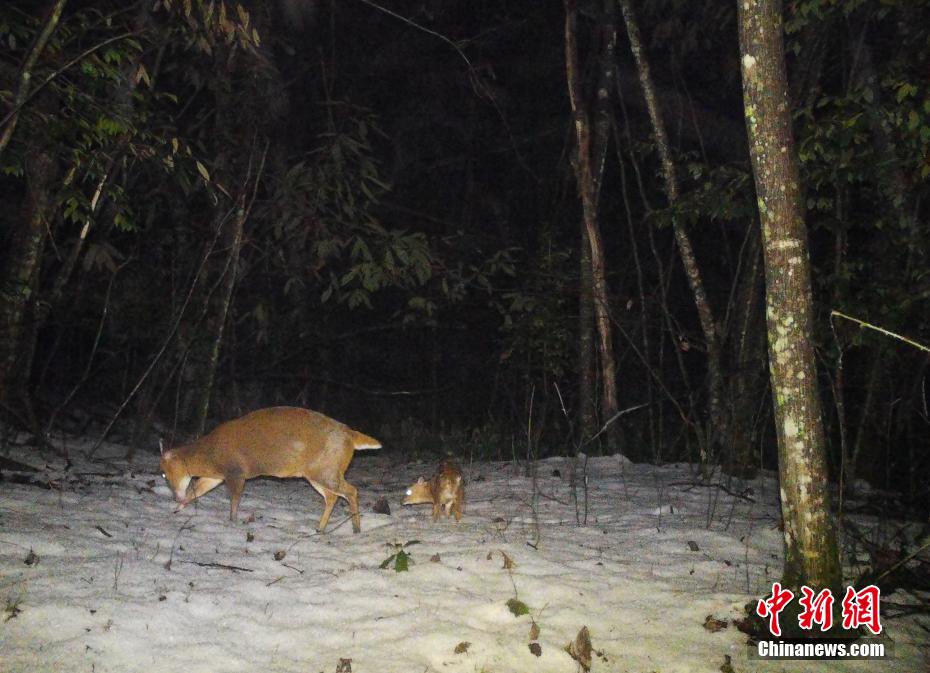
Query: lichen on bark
[(811, 549)]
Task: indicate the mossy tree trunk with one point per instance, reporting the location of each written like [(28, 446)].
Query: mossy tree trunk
[(811, 550)]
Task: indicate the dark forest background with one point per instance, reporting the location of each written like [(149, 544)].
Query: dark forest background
[(371, 210)]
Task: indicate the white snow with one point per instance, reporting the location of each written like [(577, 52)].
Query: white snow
[(120, 583)]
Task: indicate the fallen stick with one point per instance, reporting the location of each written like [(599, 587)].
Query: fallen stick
[(221, 566)]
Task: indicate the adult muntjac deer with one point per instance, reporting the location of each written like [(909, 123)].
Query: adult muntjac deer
[(273, 442)]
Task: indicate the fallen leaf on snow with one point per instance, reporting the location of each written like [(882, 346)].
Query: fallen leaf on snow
[(713, 624), (580, 648)]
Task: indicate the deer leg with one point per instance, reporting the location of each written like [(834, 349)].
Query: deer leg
[(329, 500), (200, 486), (350, 493), (234, 485)]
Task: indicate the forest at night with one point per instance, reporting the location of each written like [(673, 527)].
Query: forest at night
[(669, 233)]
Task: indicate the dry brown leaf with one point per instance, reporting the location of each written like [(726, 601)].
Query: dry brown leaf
[(508, 562), (462, 647), (536, 649), (534, 630), (580, 648), (713, 624), (435, 558)]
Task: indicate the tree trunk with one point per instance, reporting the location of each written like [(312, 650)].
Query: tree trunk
[(205, 358), (746, 384), (719, 431), (811, 550), (19, 278), (25, 74), (589, 158), (587, 380), (218, 278), (19, 275)]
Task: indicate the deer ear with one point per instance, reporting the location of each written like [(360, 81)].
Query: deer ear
[(421, 481), (161, 445)]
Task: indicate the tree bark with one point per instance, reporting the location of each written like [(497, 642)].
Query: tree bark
[(811, 550), (19, 278), (588, 168), (20, 271), (219, 277), (587, 379), (746, 384), (25, 73), (719, 433), (208, 355)]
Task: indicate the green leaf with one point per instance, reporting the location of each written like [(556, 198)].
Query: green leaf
[(400, 559), (517, 607), (349, 276), (123, 221), (402, 562), (360, 249)]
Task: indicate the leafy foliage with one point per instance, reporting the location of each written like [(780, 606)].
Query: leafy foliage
[(535, 317), (323, 210), (400, 558)]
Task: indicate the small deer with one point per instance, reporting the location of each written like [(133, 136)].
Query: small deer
[(446, 491)]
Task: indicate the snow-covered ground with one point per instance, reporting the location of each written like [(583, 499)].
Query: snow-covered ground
[(98, 573)]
